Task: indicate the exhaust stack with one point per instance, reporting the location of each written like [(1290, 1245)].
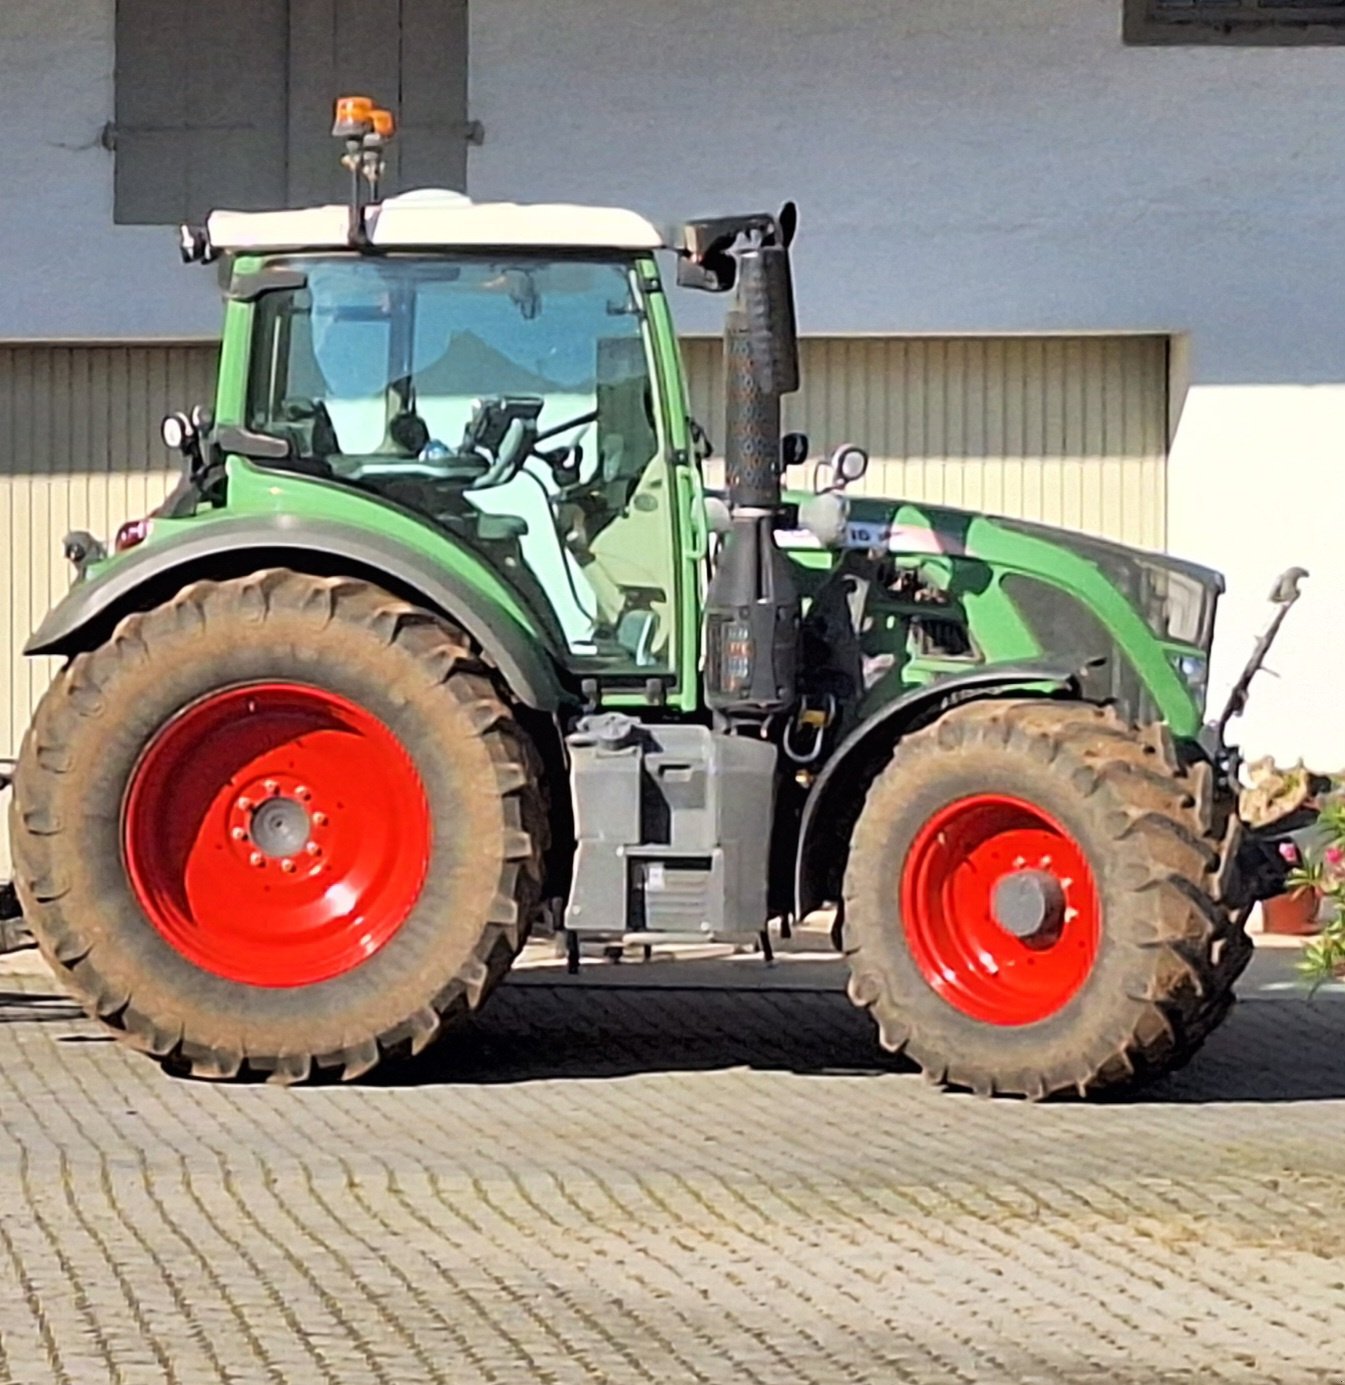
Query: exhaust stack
[(753, 612)]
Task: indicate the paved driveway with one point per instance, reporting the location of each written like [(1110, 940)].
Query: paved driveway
[(642, 1175)]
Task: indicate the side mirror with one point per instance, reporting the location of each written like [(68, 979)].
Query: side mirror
[(793, 450), (766, 296), (716, 273), (846, 465), (849, 464)]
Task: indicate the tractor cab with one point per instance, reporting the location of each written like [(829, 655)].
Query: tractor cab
[(504, 392), (504, 372)]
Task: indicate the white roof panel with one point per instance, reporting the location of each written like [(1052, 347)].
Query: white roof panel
[(434, 218)]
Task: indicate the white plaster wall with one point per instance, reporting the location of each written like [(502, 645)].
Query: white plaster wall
[(65, 269), (1004, 165), (962, 165)]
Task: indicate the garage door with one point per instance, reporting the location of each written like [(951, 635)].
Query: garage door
[(1067, 430), (79, 449)]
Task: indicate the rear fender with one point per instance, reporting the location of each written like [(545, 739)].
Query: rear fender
[(837, 795), (224, 548)]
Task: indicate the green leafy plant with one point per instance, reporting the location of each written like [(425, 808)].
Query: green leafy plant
[(1322, 869)]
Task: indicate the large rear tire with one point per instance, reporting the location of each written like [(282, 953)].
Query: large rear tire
[(1032, 902), (279, 824)]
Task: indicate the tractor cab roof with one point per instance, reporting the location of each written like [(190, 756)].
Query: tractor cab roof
[(435, 219)]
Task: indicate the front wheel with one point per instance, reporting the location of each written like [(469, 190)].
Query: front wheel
[(1031, 903), (278, 824)]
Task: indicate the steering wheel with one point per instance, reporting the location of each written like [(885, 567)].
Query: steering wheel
[(505, 429), (565, 461)]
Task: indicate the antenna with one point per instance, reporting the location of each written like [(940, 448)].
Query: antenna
[(367, 130)]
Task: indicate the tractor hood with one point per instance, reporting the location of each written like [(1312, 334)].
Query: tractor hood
[(1177, 599)]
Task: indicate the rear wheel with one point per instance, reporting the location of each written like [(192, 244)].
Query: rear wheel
[(1031, 902), (280, 823)]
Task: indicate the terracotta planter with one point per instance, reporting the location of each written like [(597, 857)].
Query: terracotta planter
[(1292, 915)]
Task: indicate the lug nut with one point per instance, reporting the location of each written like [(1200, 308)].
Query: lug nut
[(238, 834), (287, 866), (244, 803), (313, 849), (303, 792), (271, 787), (257, 859), (319, 819)]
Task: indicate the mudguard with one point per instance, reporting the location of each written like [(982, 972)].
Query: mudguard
[(91, 609), (853, 764)]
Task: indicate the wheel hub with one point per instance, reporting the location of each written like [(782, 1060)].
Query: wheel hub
[(1030, 905), (280, 828), (274, 818)]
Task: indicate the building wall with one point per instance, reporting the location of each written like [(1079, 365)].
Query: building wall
[(1005, 166), (984, 166), (1067, 431), (68, 272)]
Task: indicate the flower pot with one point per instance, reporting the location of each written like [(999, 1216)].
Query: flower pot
[(1292, 915)]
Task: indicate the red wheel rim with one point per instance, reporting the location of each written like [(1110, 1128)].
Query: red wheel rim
[(276, 835), (980, 874)]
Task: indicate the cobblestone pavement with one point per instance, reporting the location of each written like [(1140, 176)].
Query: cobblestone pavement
[(642, 1176)]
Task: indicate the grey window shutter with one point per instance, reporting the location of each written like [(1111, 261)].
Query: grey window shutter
[(337, 48), (409, 55), (200, 108), (230, 104), (434, 94)]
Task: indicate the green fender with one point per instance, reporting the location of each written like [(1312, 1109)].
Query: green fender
[(837, 794), (235, 545)]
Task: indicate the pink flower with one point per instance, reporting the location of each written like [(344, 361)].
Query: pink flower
[(1333, 855), (1289, 852)]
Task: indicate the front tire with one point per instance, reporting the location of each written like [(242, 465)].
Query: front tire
[(279, 824), (1031, 902)]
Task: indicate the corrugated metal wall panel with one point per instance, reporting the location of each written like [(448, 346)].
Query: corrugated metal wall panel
[(1068, 430), (79, 449)]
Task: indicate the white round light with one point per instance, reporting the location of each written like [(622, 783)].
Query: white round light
[(175, 430)]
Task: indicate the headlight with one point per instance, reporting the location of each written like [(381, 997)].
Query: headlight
[(1195, 673), (1177, 605)]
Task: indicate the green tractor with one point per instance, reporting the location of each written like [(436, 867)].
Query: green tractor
[(441, 636)]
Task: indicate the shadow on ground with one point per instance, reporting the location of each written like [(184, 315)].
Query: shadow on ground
[(1267, 1051), (1281, 1048), (532, 1032), (34, 1007)]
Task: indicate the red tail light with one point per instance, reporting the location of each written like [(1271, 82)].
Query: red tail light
[(131, 534)]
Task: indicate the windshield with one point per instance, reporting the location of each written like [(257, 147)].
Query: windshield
[(509, 401)]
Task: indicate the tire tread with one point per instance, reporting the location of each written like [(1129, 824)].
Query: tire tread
[(78, 694), (1171, 833)]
